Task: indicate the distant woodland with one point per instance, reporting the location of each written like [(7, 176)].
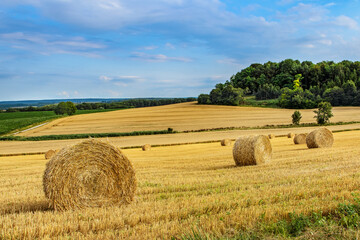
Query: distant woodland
[(292, 83), (131, 103)]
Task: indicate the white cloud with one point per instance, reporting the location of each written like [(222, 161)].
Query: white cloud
[(309, 46), (48, 44), (330, 4), (284, 32), (64, 94), (230, 61), (105, 78), (218, 78), (158, 57), (122, 81), (114, 14), (114, 93), (345, 21), (169, 46), (326, 42), (150, 47)]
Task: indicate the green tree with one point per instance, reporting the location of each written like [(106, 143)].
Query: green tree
[(267, 91), (334, 95), (297, 98), (296, 82), (65, 108), (60, 109), (350, 92), (215, 96), (204, 99), (296, 117), (324, 113), (283, 80), (70, 108), (232, 96)]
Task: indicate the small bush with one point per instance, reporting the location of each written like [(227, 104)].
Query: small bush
[(296, 117), (324, 113)]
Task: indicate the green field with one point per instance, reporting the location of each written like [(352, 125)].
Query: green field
[(12, 121), (269, 103)]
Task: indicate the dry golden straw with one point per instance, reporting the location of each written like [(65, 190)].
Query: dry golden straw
[(300, 138), (146, 147), (320, 138), (290, 135), (89, 174), (225, 142), (271, 136), (252, 150), (49, 154)]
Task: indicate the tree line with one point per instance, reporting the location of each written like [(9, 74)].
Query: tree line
[(67, 108), (295, 84)]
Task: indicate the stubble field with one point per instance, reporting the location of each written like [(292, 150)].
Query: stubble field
[(181, 117), (188, 187)]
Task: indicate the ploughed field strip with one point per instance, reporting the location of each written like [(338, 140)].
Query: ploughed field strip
[(181, 117), (185, 187)]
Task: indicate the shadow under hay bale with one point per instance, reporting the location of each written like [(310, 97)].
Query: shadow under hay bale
[(300, 138), (320, 138), (146, 147), (89, 174), (252, 150), (225, 142), (49, 154), (291, 135)]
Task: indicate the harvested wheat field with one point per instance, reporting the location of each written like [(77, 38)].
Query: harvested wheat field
[(185, 187), (19, 147), (180, 117)]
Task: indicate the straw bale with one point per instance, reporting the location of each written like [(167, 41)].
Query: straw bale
[(291, 135), (225, 142), (271, 136), (252, 150), (146, 147), (300, 138), (89, 174), (320, 138)]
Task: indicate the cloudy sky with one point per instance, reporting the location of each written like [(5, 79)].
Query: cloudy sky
[(160, 48)]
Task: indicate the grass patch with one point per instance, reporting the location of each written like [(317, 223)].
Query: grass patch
[(16, 121), (85, 135), (252, 102), (341, 223), (79, 112), (9, 122)]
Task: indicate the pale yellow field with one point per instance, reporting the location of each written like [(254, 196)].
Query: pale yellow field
[(16, 147), (188, 186), (180, 117)]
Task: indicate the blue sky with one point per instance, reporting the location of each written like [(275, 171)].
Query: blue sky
[(160, 48)]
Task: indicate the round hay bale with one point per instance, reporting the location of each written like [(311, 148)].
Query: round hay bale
[(225, 142), (49, 154), (300, 138), (252, 150), (146, 147), (271, 136), (89, 174), (320, 138), (291, 135)]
